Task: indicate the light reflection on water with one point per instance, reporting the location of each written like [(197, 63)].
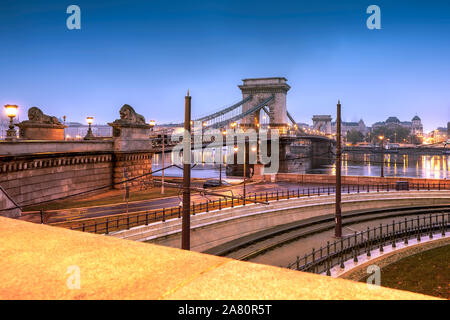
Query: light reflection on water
[(395, 165)]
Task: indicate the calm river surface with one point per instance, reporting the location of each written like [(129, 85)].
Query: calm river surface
[(354, 164)]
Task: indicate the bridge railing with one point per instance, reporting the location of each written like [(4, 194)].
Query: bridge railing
[(117, 222), (351, 247)]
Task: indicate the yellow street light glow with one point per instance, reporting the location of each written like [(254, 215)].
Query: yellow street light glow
[(11, 110), (152, 123), (253, 149), (236, 149), (90, 120), (224, 132), (381, 137), (204, 123)]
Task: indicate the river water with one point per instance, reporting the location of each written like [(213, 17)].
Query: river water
[(434, 166)]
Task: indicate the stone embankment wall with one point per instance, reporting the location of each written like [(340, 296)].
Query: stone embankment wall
[(33, 170), (35, 178), (31, 178)]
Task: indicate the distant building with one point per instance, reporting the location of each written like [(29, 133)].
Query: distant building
[(77, 131), (439, 135), (349, 126), (415, 125)]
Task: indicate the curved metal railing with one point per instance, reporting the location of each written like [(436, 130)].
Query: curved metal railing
[(322, 260)]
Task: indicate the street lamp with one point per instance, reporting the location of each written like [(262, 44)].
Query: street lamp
[(233, 126), (152, 124), (89, 134), (64, 130), (163, 141), (382, 155), (236, 149), (11, 112), (224, 133)]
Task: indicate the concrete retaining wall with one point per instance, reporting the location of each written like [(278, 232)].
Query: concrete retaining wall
[(353, 180), (217, 227)]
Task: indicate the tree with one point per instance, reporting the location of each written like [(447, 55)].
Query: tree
[(354, 136), (395, 133)]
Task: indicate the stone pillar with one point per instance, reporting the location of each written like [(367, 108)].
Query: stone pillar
[(132, 147), (258, 171), (261, 89), (322, 123)]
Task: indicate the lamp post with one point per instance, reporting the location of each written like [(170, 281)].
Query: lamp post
[(236, 149), (152, 124), (163, 159), (338, 215), (64, 130), (163, 141), (382, 155), (11, 112), (224, 134), (89, 134), (186, 220)]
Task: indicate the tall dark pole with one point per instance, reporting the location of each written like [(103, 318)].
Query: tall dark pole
[(186, 222), (338, 218), (245, 163), (382, 157), (220, 167)]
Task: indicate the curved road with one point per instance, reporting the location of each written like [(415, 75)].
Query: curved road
[(52, 216)]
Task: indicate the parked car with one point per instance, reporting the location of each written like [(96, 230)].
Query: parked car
[(214, 183), (401, 185)]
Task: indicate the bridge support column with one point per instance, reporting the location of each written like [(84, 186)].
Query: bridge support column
[(132, 147), (261, 89)]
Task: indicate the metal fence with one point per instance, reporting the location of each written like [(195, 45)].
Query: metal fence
[(350, 247), (107, 224)]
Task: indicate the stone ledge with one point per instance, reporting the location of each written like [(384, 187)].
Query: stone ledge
[(119, 269)]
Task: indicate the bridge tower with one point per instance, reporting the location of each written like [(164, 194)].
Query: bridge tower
[(322, 123), (261, 89)]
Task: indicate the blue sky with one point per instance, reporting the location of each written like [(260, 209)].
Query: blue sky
[(148, 53)]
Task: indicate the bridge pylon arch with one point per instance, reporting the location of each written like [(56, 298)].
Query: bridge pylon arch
[(262, 89)]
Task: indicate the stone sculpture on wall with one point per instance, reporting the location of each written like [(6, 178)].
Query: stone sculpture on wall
[(128, 114), (40, 126), (36, 115), (130, 131)]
